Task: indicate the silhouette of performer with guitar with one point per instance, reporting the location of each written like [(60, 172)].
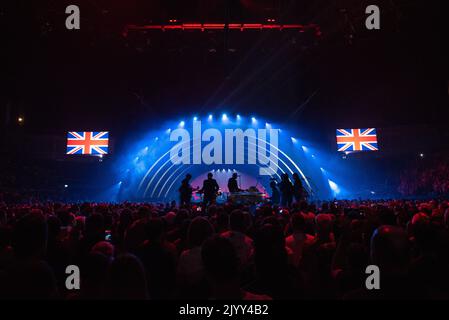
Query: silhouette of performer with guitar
[(210, 189), (185, 191)]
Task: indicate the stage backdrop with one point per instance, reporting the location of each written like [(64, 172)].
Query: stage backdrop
[(256, 149)]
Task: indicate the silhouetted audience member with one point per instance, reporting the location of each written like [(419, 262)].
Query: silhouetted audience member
[(241, 242), (30, 277), (159, 259), (190, 265), (299, 239), (126, 279), (275, 277), (221, 265)]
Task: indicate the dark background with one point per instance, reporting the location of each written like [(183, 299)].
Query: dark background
[(96, 78)]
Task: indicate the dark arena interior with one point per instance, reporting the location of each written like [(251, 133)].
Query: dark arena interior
[(225, 150)]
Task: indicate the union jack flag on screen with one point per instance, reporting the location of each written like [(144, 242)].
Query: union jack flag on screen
[(349, 140), (93, 143)]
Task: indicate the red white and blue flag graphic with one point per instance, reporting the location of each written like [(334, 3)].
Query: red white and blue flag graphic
[(349, 140), (93, 143)]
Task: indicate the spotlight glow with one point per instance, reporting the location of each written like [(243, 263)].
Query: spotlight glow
[(224, 117), (267, 125), (168, 130), (182, 124), (253, 120), (305, 148), (195, 118), (294, 140), (210, 117), (334, 187), (238, 117)]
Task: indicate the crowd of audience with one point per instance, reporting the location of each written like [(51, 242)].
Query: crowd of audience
[(148, 251), (428, 176)]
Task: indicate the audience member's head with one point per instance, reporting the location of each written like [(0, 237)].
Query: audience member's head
[(389, 249), (30, 236), (93, 271), (199, 230), (95, 226), (222, 222), (33, 280), (54, 227), (237, 221), (126, 279), (104, 248), (270, 252), (220, 260), (155, 230), (298, 222), (323, 223)]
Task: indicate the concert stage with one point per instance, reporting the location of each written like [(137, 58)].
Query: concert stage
[(258, 150)]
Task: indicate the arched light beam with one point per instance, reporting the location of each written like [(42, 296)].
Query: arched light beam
[(163, 175), (259, 139), (296, 166), (154, 164), (169, 178), (274, 172), (174, 180)]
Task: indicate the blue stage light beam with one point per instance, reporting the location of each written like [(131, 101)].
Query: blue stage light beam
[(334, 187)]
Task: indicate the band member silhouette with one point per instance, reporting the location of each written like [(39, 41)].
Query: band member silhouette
[(286, 188), (209, 189), (298, 189), (232, 184), (185, 191), (275, 195)]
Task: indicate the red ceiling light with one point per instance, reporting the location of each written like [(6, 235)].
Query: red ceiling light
[(222, 26)]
